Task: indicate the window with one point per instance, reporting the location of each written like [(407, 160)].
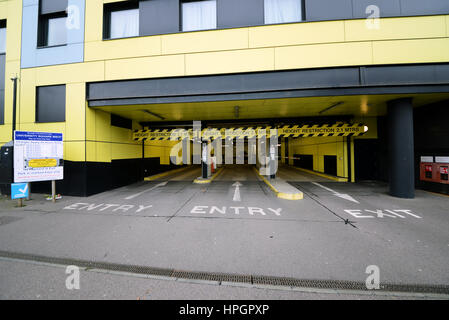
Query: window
[(199, 15), (2, 36), (52, 29), (121, 20), (50, 104), (283, 11)]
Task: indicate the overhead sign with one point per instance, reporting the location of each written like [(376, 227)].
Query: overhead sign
[(38, 156), (294, 131), (19, 190)]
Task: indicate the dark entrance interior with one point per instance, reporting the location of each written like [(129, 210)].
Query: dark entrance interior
[(330, 165), (366, 159), (304, 161)]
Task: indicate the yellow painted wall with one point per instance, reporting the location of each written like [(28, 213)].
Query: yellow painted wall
[(264, 48), (11, 10), (319, 147), (88, 134), (332, 146)]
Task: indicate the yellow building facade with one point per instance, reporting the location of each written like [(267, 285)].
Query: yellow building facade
[(92, 143)]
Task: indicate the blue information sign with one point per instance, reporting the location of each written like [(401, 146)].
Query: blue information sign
[(19, 190)]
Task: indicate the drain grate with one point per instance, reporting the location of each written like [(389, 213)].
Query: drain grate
[(220, 277), (225, 277)]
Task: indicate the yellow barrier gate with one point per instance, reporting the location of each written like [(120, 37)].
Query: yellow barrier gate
[(293, 131)]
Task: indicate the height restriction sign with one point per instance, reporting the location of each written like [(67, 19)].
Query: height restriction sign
[(38, 156)]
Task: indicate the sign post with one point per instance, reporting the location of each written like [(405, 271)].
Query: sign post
[(38, 156)]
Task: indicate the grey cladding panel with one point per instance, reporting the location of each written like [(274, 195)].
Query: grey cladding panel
[(52, 6), (317, 10), (50, 104), (238, 13), (423, 7), (388, 8), (226, 84), (158, 17), (412, 74)]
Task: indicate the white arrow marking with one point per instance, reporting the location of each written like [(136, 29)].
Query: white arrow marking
[(140, 193), (237, 191), (340, 195)]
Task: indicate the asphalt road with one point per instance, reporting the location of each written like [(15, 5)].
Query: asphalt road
[(335, 233)]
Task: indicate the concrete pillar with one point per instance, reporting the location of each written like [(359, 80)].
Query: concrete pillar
[(401, 148)]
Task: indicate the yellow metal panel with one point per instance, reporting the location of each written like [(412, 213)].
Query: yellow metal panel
[(103, 151), (74, 151), (397, 28), (12, 69), (202, 41), (90, 122), (75, 111), (163, 66), (295, 34), (70, 73), (122, 48), (121, 134), (27, 97), (5, 133), (58, 127), (324, 55), (447, 26), (12, 11), (91, 151), (411, 51), (94, 21), (4, 5), (230, 61), (102, 126), (125, 151)]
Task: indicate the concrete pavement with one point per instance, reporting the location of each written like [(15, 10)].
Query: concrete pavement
[(335, 233)]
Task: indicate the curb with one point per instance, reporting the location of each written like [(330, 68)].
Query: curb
[(282, 195), (164, 174), (205, 181)]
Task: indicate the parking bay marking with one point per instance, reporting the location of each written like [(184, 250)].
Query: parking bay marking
[(381, 213), (236, 210)]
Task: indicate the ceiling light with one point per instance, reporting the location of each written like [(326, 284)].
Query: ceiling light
[(331, 107), (154, 114)]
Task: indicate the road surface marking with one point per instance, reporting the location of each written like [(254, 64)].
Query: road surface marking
[(236, 210), (81, 206), (236, 197), (148, 190), (380, 213), (340, 195)]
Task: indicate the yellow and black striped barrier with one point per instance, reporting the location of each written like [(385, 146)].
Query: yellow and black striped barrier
[(293, 131)]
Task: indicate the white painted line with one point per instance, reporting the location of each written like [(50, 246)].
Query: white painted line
[(340, 195), (236, 197), (148, 190)]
